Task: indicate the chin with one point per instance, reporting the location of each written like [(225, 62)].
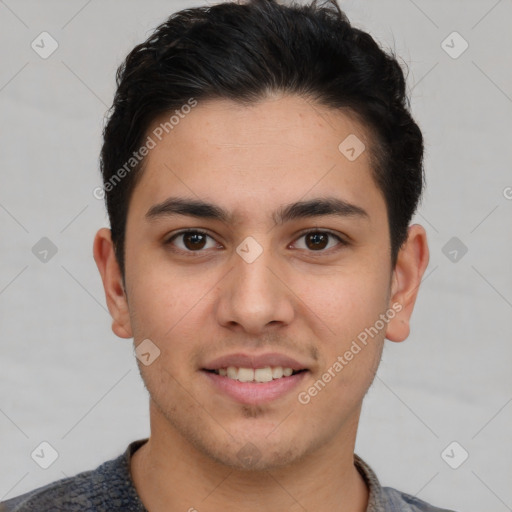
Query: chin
[(246, 447)]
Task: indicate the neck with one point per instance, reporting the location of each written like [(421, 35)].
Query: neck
[(171, 474)]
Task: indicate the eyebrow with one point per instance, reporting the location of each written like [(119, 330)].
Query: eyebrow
[(299, 210)]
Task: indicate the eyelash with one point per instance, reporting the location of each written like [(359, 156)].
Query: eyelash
[(169, 241)]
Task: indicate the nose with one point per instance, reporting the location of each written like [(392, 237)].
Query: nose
[(254, 296)]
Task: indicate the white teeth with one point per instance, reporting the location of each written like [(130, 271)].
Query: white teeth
[(245, 374), (265, 374), (277, 372)]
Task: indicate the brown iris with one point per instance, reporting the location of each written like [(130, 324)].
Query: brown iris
[(194, 240), (319, 240)]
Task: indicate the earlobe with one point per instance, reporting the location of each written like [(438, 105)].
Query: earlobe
[(104, 256), (411, 263)]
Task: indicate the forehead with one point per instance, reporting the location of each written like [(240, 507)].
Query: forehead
[(251, 158)]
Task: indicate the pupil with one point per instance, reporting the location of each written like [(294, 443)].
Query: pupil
[(317, 238)]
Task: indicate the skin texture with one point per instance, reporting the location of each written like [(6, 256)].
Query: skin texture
[(295, 299)]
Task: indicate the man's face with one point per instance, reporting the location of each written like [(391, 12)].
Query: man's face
[(252, 287)]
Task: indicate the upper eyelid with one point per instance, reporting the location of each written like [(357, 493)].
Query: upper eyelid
[(343, 240), (183, 231)]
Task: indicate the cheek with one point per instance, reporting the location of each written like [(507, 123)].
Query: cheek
[(162, 298), (169, 309), (346, 302), (350, 344)]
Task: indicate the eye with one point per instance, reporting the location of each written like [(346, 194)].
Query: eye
[(318, 241), (192, 240)]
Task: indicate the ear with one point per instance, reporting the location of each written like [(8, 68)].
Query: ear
[(104, 256), (411, 263)]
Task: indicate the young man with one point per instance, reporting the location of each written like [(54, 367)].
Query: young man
[(260, 171)]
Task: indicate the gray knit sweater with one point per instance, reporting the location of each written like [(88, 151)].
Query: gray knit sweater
[(110, 488)]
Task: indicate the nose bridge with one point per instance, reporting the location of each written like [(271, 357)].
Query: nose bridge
[(252, 295), (253, 270)]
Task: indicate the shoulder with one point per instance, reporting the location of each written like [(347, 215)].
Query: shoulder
[(400, 501), (106, 488), (74, 493), (387, 499)]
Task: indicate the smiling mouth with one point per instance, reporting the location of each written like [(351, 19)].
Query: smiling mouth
[(255, 375)]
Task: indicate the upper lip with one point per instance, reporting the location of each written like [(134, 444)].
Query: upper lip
[(241, 360)]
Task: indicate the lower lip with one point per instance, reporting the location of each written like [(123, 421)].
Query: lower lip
[(253, 393)]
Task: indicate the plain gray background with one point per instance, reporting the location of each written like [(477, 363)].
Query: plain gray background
[(68, 380)]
